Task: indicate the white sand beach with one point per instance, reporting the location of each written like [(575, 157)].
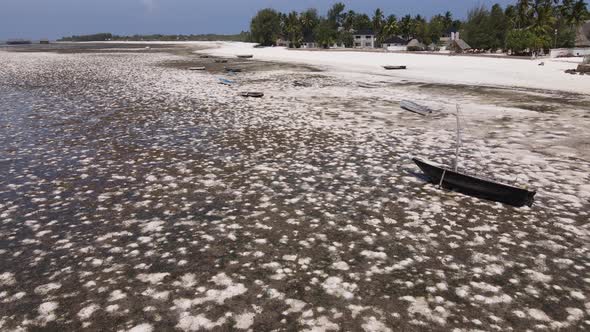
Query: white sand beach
[(457, 69)]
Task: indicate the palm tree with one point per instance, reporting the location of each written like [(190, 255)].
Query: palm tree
[(390, 28), (378, 24), (579, 13), (349, 19), (309, 20), (523, 11), (405, 26)]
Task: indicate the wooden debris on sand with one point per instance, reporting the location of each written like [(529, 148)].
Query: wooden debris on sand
[(394, 67), (252, 94)]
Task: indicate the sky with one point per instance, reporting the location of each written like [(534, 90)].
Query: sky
[(37, 19)]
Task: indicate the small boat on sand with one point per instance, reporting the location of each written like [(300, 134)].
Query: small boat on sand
[(394, 67), (452, 178), (220, 60), (197, 68), (225, 81), (233, 70), (204, 56), (252, 94), (245, 56), (416, 108)]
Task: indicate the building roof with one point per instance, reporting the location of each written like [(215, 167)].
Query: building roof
[(395, 40), (583, 35), (416, 43), (364, 32), (460, 43)]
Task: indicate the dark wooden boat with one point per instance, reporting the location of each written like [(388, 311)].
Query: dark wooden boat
[(476, 186), (394, 67), (233, 70), (452, 178), (204, 56), (245, 56), (416, 108), (252, 94), (220, 60)]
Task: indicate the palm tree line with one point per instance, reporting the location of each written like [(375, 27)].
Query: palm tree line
[(526, 25)]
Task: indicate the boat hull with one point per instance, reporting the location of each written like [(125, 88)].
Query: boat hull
[(475, 186), (413, 107)]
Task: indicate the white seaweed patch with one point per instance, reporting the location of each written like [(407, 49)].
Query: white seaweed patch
[(337, 287), (7, 279), (87, 311), (197, 323), (145, 327), (153, 278), (47, 288), (47, 312)]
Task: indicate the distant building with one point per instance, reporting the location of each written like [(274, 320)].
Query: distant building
[(44, 41), (282, 42), (309, 42), (364, 39), (394, 41)]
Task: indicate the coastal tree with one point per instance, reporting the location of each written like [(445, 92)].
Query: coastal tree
[(377, 23), (324, 34), (265, 27), (294, 29), (309, 20)]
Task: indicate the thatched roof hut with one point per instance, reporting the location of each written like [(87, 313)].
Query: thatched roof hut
[(415, 45), (583, 35)]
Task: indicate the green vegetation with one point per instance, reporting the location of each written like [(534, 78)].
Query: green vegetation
[(243, 36), (337, 26), (525, 27)]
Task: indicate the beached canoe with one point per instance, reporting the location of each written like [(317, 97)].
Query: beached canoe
[(476, 186), (233, 70), (197, 68), (225, 81), (220, 60), (245, 56), (204, 56), (416, 108), (394, 67), (452, 178), (252, 94)]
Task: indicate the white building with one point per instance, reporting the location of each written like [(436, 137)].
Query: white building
[(364, 39)]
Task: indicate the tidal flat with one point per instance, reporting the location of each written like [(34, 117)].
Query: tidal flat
[(138, 195)]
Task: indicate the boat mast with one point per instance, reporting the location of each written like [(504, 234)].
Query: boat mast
[(458, 143)]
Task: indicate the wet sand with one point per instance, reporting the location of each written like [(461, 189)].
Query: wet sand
[(136, 194)]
